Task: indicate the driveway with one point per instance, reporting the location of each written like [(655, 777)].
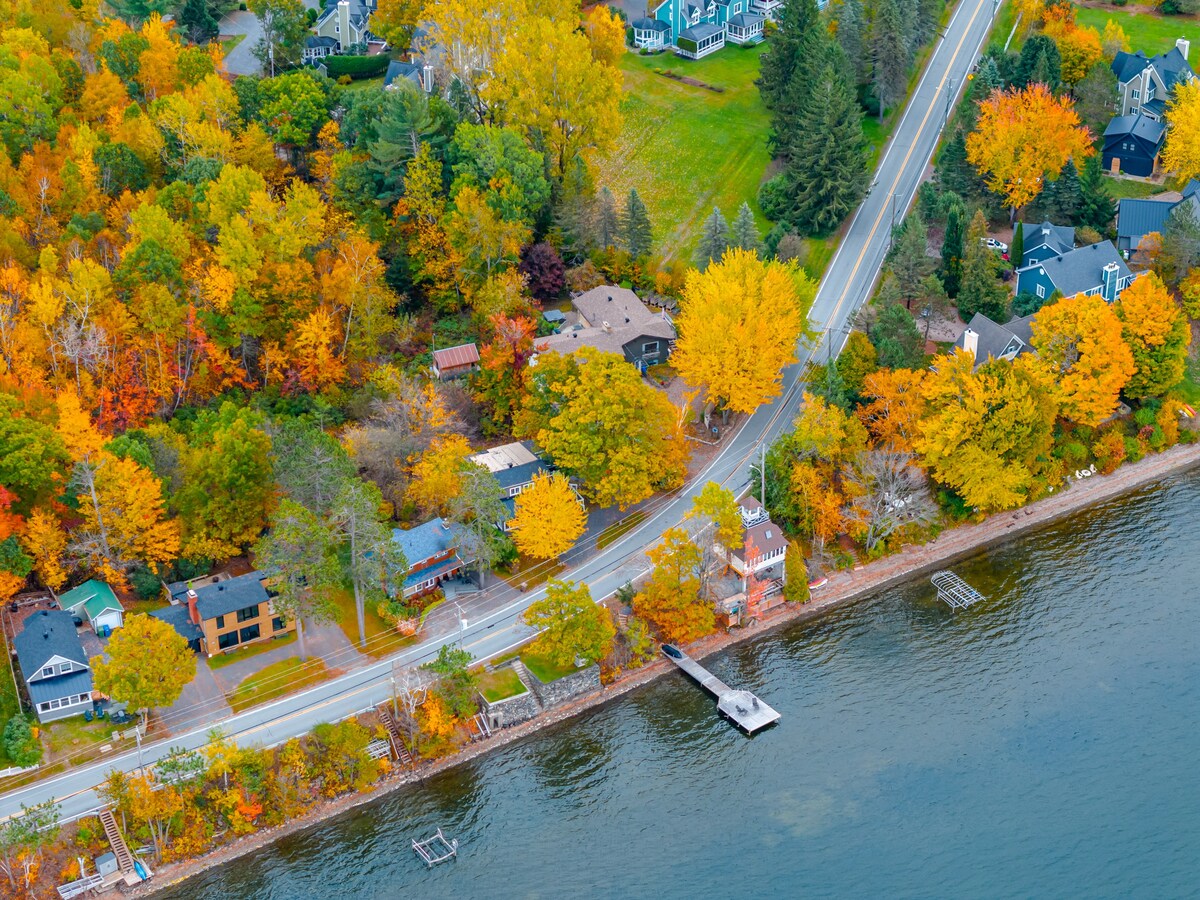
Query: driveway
[(201, 702), (328, 642), (240, 60)]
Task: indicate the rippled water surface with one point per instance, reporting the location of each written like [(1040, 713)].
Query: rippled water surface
[(1043, 744)]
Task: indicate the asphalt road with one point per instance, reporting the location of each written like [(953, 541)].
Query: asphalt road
[(489, 625)]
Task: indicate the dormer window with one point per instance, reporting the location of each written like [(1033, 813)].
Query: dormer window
[(48, 671)]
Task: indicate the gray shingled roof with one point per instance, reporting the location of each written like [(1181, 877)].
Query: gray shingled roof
[(425, 540), (993, 338), (229, 596), (70, 685), (628, 319), (648, 24), (1082, 269), (47, 634), (700, 32), (1059, 238), (397, 69), (176, 615), (745, 20), (1171, 66)]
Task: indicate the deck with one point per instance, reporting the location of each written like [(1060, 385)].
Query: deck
[(742, 708)]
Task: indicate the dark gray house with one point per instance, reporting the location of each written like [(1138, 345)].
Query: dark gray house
[(1137, 218), (53, 663), (1144, 83), (1045, 240), (614, 319), (987, 340), (1132, 144), (1095, 269), (514, 467)]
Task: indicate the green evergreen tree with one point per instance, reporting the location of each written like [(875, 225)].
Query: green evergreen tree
[(909, 259), (987, 78), (197, 22), (891, 54), (635, 227), (952, 248), (1016, 250), (981, 291), (745, 231), (897, 339), (608, 224), (714, 240), (954, 173), (827, 175), (1096, 205), (1063, 197), (1040, 62), (790, 49), (851, 37)]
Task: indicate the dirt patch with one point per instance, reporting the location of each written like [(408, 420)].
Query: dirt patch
[(694, 82)]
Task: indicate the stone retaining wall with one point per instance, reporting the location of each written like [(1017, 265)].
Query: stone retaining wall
[(566, 688), (510, 710)]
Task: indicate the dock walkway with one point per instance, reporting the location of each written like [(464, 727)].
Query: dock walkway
[(743, 708)]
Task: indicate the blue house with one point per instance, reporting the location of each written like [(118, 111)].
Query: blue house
[(697, 28), (1132, 144), (54, 665), (1095, 269), (1138, 217), (1045, 240)]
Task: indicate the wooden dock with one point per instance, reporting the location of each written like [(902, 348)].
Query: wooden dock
[(436, 849), (741, 707)]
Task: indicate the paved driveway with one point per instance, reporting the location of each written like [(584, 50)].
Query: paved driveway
[(201, 702), (240, 60)]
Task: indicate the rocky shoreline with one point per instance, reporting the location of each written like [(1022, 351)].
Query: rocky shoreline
[(842, 588)]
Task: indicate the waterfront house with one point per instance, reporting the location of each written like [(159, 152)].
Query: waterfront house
[(454, 362), (613, 319), (1043, 241), (1095, 269), (987, 340), (54, 665), (228, 614), (431, 551), (94, 601)]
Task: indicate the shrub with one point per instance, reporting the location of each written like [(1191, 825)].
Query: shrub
[(20, 744), (1134, 449), (1087, 236), (344, 79), (1109, 450), (356, 66)]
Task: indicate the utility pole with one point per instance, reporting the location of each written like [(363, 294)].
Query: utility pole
[(762, 474)]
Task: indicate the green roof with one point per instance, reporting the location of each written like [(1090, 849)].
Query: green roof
[(95, 597)]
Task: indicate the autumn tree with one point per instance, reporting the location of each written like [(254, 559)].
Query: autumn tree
[(372, 557), (1080, 339), (894, 407), (722, 344), (24, 840), (671, 597), (437, 477), (283, 31), (597, 419), (989, 430), (888, 492), (572, 625), (1181, 154), (1024, 136), (549, 518), (148, 664), (300, 553), (717, 509), (499, 384), (396, 21), (980, 290), (795, 575), (1157, 334), (1080, 49), (455, 684)]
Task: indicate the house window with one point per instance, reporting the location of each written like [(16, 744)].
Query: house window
[(43, 707), (250, 612), (64, 668), (278, 624), (1137, 95), (1041, 292), (225, 641), (251, 634), (220, 622), (48, 671), (650, 347), (84, 698), (513, 491), (337, 29)]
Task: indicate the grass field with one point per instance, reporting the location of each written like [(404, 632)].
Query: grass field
[(376, 626), (1150, 33), (276, 680), (500, 685), (1121, 188), (9, 705), (686, 149), (544, 669)]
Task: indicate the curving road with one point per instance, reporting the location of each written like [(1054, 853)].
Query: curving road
[(488, 631)]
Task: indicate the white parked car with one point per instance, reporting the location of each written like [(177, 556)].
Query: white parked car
[(993, 244)]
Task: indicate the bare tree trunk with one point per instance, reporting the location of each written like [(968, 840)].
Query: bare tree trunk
[(362, 619), (300, 638)]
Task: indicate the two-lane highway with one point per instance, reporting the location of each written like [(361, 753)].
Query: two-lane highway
[(846, 286)]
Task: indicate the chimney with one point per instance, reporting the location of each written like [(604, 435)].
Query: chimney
[(1183, 45), (1108, 289), (427, 79), (193, 613), (343, 16), (971, 342), (607, 328)]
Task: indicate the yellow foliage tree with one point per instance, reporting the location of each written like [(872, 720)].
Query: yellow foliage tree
[(46, 542), (1181, 154), (671, 598), (606, 32), (437, 477), (723, 341), (315, 351), (893, 408), (1079, 338), (1024, 136), (549, 518), (1080, 49), (1158, 335), (1114, 40)]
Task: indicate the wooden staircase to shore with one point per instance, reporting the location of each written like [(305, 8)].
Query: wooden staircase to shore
[(119, 848), (399, 751)]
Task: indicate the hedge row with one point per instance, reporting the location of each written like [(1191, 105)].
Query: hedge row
[(356, 66)]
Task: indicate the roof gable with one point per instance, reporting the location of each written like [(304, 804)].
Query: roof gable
[(230, 595), (1059, 238), (453, 357), (425, 540), (1081, 270), (48, 634)]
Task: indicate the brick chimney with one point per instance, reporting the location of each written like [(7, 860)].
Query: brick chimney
[(193, 613)]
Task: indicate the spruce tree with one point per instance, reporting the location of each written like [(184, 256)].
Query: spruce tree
[(1096, 205), (714, 240), (897, 340), (851, 37), (891, 54), (828, 175), (745, 231), (197, 22), (1065, 196), (1040, 62), (980, 290), (952, 251), (790, 48), (608, 225), (908, 258), (954, 173), (635, 227), (1016, 250)]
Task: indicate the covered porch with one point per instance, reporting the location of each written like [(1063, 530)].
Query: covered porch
[(700, 40)]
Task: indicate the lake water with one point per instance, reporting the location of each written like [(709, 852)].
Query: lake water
[(1041, 744)]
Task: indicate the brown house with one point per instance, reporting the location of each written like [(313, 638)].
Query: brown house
[(455, 361), (229, 614)]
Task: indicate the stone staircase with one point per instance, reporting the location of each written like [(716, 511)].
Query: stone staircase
[(119, 848), (522, 673)]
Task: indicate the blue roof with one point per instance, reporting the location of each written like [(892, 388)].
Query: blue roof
[(70, 685), (436, 570), (1139, 217), (522, 474), (1171, 66), (397, 69), (1059, 238), (47, 634), (554, 315), (1141, 127), (1081, 270), (426, 540)]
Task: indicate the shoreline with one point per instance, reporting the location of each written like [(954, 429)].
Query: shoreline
[(842, 589)]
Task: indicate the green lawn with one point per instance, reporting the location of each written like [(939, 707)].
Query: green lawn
[(500, 685), (544, 669), (379, 630), (686, 149), (619, 529), (221, 660), (1123, 187), (527, 573), (1152, 34), (9, 704), (276, 680), (365, 84)]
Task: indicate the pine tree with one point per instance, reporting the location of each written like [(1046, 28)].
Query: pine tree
[(851, 37), (714, 240), (980, 291), (829, 178), (952, 249), (635, 227), (1016, 250), (608, 225), (1096, 205), (1064, 196), (1040, 62), (909, 260), (745, 231), (954, 173), (197, 21), (891, 55)]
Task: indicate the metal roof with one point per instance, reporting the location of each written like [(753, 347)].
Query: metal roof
[(47, 634), (700, 32), (453, 357), (70, 685), (1143, 128), (1139, 217), (1059, 238), (94, 596)]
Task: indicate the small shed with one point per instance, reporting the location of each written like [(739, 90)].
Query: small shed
[(95, 601), (455, 361)]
